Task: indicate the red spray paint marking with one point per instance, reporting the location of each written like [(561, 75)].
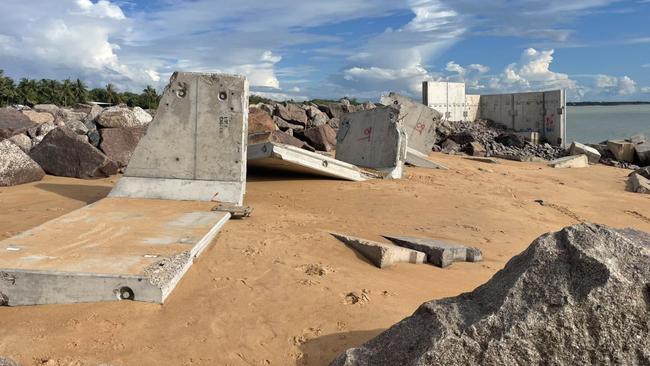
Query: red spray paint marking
[(419, 127), (367, 133)]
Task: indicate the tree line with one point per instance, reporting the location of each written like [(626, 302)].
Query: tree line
[(69, 92)]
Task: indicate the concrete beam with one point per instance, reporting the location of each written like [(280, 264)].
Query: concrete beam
[(380, 254), (115, 249), (197, 141), (439, 253), (292, 159)]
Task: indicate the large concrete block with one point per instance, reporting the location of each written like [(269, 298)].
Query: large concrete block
[(419, 121), (578, 149), (115, 249), (373, 139), (622, 150), (381, 254), (439, 253), (574, 161), (195, 148)]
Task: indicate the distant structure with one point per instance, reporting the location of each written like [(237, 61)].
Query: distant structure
[(542, 114)]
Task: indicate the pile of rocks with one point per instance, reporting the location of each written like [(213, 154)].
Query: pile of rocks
[(575, 297), (487, 138), (86, 141), (313, 124)]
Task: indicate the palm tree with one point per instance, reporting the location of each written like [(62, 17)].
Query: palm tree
[(112, 94), (67, 92), (150, 97), (7, 89), (80, 91)]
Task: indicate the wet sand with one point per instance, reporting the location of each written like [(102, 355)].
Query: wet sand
[(275, 289)]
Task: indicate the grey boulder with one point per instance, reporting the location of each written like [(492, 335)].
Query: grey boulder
[(13, 122), (119, 143), (16, 167), (579, 296), (64, 153)]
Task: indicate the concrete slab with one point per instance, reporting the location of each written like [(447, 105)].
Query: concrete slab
[(578, 149), (573, 161), (373, 139), (642, 151), (622, 150), (418, 159), (419, 121), (439, 253), (115, 249), (195, 148), (381, 254), (293, 159)]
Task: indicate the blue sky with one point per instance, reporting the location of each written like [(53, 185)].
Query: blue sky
[(596, 49)]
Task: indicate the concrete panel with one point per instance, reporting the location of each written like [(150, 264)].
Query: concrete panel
[(115, 249), (419, 121), (380, 254), (445, 97), (373, 139), (555, 113), (529, 112), (198, 134), (472, 106), (282, 157)]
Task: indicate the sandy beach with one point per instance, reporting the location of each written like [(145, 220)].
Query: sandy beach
[(277, 289)]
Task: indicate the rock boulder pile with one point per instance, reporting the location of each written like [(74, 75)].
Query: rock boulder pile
[(580, 296)]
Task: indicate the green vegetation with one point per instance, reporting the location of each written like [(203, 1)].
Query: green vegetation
[(69, 92)]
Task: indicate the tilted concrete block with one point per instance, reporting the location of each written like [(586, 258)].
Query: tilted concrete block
[(578, 149), (373, 139), (419, 121), (381, 254), (439, 253), (195, 148), (622, 150), (638, 184), (574, 161)]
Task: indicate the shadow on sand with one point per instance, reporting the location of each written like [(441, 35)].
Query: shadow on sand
[(323, 350), (78, 192)]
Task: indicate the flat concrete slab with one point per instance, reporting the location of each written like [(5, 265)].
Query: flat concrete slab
[(381, 254), (282, 157), (195, 148), (418, 159), (373, 139), (114, 249), (439, 253), (573, 161)]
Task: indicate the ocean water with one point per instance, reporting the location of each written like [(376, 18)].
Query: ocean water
[(593, 124)]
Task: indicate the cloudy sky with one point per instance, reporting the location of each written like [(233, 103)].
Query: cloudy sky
[(597, 49)]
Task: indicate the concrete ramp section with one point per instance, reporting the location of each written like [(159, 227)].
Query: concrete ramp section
[(195, 148), (283, 157), (373, 139), (115, 249), (418, 159)]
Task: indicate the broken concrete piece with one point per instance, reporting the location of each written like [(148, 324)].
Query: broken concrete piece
[(575, 297), (439, 253), (373, 139), (622, 150), (419, 121), (578, 149), (418, 159), (638, 183), (380, 254), (574, 161), (477, 149), (195, 148), (275, 156)]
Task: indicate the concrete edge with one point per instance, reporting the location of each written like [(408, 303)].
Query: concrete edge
[(179, 189)]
